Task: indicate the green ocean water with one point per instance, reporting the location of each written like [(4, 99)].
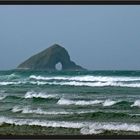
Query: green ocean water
[(69, 103)]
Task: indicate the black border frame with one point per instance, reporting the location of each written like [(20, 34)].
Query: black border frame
[(70, 2)]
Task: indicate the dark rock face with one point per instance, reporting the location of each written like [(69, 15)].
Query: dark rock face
[(47, 60)]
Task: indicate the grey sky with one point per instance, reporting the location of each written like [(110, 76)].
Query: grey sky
[(96, 36)]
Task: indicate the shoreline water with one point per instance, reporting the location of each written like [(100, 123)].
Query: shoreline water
[(65, 103)]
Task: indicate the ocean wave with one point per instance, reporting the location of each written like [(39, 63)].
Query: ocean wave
[(85, 127), (63, 101), (96, 84), (12, 83), (109, 102), (40, 123), (73, 83), (88, 84), (33, 94), (12, 76), (101, 127), (136, 103), (39, 83), (48, 78), (9, 77), (9, 83), (87, 78), (28, 110), (105, 103), (2, 96)]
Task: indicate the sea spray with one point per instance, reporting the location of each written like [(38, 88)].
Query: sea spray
[(33, 94)]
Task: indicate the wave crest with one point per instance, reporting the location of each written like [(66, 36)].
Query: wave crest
[(87, 78), (28, 110), (88, 84), (109, 102), (2, 96), (86, 127), (33, 94), (136, 103), (63, 101)]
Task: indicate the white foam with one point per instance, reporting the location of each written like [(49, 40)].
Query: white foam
[(10, 76), (16, 109), (39, 83), (96, 128), (8, 83), (88, 131), (41, 123), (99, 84), (90, 84), (13, 75), (109, 102), (87, 78), (12, 83), (136, 103), (96, 84), (33, 94), (28, 110), (63, 101), (48, 78), (86, 127)]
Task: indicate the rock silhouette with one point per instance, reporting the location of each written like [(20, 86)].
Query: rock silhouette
[(47, 60)]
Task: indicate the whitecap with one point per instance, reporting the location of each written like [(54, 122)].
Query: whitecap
[(40, 122), (96, 128), (33, 94), (16, 109), (28, 110), (136, 103), (87, 78), (12, 83), (63, 101), (109, 102), (85, 127)]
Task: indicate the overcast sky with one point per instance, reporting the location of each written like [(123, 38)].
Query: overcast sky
[(97, 37)]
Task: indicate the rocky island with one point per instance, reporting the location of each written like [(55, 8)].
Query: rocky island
[(47, 60)]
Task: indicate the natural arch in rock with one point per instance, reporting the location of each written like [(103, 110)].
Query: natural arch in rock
[(47, 59), (58, 66)]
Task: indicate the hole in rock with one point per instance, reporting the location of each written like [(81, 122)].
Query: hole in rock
[(58, 66)]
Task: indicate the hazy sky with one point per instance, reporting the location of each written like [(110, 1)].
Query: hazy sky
[(97, 37)]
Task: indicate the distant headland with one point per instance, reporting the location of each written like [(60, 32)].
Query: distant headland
[(47, 60)]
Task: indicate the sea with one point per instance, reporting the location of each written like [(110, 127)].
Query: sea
[(69, 102)]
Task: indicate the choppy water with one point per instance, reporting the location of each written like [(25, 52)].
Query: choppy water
[(92, 101)]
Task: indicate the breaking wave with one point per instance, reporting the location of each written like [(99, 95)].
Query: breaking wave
[(109, 102), (85, 127), (89, 84), (12, 83), (105, 103), (136, 103), (63, 101), (9, 77), (2, 96), (27, 110), (40, 123), (87, 78), (33, 94), (9, 83), (97, 128)]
